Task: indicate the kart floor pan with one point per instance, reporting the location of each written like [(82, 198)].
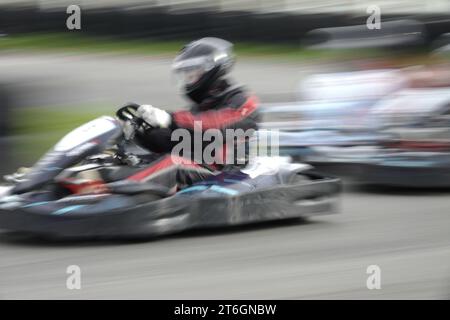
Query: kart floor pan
[(181, 212)]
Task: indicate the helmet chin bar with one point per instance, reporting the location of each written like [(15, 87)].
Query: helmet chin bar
[(202, 89)]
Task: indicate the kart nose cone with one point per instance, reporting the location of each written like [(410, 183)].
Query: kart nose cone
[(4, 191), (7, 201)]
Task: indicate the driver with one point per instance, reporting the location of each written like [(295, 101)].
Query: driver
[(201, 68)]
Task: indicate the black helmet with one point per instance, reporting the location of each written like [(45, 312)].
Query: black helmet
[(200, 64)]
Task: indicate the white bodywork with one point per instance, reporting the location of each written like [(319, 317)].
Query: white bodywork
[(271, 165), (350, 86), (85, 133), (4, 190)]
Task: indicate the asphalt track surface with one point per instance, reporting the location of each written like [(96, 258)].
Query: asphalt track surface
[(406, 233)]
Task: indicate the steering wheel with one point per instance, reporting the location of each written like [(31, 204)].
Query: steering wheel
[(128, 113)]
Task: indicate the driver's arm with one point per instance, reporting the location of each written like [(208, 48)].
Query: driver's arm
[(239, 112)]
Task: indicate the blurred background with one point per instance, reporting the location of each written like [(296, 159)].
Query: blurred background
[(370, 105)]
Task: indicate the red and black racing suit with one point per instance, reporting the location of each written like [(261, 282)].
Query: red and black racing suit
[(230, 108)]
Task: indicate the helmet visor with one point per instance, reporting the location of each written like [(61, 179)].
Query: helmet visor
[(189, 71)]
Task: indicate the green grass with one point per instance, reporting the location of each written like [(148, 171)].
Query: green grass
[(38, 129), (54, 119), (75, 42)]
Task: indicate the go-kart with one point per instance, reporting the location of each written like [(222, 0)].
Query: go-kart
[(402, 140), (85, 186)]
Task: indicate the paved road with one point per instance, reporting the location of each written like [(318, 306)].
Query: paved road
[(44, 79), (407, 234)]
